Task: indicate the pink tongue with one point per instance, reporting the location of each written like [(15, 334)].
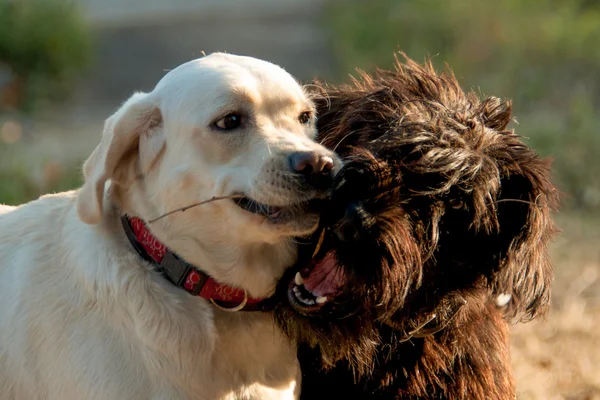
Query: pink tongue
[(325, 278)]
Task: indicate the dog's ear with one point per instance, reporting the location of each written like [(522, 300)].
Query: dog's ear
[(524, 206), (132, 140)]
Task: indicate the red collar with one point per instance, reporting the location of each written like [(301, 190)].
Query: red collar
[(185, 275)]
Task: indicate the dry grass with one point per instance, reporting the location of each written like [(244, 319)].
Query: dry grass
[(559, 358)]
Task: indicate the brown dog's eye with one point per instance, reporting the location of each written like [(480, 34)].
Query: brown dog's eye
[(229, 122), (456, 204), (304, 118)]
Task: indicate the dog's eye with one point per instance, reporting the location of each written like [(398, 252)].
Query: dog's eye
[(456, 204), (304, 118), (229, 122)]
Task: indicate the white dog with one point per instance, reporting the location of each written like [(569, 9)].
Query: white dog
[(96, 301)]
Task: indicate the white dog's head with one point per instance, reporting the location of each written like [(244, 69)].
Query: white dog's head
[(216, 126)]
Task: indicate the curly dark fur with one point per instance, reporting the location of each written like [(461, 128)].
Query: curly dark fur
[(438, 209)]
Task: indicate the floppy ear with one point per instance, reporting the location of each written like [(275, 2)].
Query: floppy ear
[(132, 140), (524, 208)]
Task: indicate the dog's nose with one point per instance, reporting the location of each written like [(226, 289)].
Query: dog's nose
[(316, 168), (348, 229)]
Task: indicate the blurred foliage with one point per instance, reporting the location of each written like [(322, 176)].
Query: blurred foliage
[(45, 43), (544, 54), (18, 186), (23, 177)]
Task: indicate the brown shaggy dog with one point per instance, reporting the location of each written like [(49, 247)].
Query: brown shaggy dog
[(433, 243)]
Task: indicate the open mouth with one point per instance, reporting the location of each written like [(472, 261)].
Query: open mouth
[(316, 284), (255, 207), (277, 213)]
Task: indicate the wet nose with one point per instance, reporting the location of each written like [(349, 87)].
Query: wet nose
[(317, 169)]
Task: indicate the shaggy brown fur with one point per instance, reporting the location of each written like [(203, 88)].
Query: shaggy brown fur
[(438, 210)]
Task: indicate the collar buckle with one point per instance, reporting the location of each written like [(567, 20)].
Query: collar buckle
[(175, 269)]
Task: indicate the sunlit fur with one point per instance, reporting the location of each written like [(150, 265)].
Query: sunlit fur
[(83, 316), (437, 203)]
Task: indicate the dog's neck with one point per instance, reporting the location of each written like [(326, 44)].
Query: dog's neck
[(184, 275), (203, 239)]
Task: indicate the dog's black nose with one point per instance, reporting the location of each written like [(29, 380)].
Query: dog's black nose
[(316, 168), (352, 225)]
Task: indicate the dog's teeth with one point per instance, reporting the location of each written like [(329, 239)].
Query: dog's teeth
[(296, 290), (298, 279), (304, 300), (321, 299), (308, 302)]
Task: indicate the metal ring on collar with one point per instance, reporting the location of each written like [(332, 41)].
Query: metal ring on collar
[(232, 309)]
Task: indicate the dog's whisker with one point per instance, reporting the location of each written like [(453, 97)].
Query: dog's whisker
[(296, 242), (182, 209), (323, 93), (325, 138), (341, 140)]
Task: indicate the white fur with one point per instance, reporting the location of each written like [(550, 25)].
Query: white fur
[(83, 317), (503, 299)]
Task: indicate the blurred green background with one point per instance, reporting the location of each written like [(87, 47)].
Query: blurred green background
[(544, 54), (66, 65)]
